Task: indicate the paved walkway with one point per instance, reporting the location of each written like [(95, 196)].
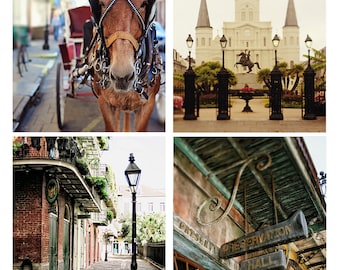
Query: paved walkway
[(26, 88), (256, 121), (122, 263)]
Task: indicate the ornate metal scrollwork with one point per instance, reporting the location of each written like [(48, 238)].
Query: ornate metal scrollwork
[(213, 204)]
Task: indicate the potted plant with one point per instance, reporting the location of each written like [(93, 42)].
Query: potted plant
[(17, 146), (82, 166)]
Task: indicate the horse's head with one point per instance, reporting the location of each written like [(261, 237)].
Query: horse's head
[(123, 24)]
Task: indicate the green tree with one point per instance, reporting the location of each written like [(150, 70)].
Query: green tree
[(285, 78), (263, 76), (296, 72), (126, 230), (150, 228), (207, 75), (318, 63), (178, 80)]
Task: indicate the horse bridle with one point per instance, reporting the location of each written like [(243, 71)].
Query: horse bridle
[(144, 64)]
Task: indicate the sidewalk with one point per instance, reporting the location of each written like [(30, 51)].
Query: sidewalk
[(26, 88), (122, 262), (256, 121)]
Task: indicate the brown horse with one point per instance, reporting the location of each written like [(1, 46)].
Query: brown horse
[(124, 61)]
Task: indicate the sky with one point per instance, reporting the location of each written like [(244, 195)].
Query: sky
[(311, 17), (317, 148), (149, 153)]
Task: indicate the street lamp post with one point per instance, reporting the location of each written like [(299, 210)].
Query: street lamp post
[(222, 77), (189, 83), (309, 75), (276, 86), (132, 174), (46, 46), (106, 240)]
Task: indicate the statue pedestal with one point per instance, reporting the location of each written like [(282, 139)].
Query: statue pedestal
[(247, 78)]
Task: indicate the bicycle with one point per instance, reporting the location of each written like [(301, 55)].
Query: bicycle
[(22, 59)]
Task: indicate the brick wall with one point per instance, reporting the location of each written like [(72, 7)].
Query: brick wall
[(27, 217), (31, 219)]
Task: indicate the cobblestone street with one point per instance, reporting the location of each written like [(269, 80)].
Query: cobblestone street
[(122, 263)]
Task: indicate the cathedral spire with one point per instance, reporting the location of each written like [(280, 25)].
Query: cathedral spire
[(203, 15), (291, 15)]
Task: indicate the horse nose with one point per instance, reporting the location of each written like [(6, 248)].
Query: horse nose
[(123, 82)]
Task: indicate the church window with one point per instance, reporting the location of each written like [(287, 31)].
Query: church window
[(264, 42), (229, 42), (203, 41), (250, 15), (243, 16)]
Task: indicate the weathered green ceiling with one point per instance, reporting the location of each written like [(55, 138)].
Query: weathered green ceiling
[(290, 169), (276, 176)]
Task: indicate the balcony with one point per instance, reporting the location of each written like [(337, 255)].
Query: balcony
[(57, 158), (99, 219)]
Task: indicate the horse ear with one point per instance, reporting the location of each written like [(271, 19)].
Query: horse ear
[(96, 10)]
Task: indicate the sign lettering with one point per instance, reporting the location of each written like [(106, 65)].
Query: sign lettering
[(275, 260), (195, 236), (287, 231)]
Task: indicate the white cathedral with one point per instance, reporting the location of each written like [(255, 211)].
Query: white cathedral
[(247, 33)]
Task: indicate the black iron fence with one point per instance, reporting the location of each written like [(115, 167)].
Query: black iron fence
[(154, 251)]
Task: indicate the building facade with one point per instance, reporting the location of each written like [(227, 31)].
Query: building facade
[(149, 201), (57, 208), (247, 34), (247, 203)]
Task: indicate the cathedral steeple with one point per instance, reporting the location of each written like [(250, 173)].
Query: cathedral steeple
[(203, 15), (291, 15), (290, 51)]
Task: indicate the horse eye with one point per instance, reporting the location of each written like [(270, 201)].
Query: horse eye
[(102, 4)]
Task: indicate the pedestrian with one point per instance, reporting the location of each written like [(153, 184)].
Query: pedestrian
[(55, 25)]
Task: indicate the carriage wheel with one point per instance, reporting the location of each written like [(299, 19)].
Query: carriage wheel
[(73, 88), (60, 95)]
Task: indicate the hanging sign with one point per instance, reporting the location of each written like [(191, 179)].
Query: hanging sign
[(52, 190), (275, 260), (84, 216), (282, 233)]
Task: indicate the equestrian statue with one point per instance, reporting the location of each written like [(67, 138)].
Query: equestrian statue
[(246, 62)]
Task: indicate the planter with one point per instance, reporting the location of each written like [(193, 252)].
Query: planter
[(246, 96)]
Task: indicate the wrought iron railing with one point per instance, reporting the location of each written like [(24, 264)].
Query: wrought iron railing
[(55, 148)]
